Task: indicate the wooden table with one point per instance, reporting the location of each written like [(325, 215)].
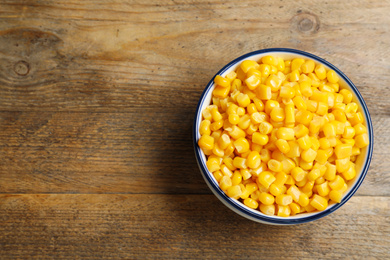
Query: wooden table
[(97, 100)]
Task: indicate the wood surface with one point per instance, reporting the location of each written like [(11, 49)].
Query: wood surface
[(97, 100)]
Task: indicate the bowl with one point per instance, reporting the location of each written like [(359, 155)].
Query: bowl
[(362, 162)]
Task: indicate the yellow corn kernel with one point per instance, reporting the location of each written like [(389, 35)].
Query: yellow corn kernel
[(221, 92), (322, 156), (234, 119), (362, 140), (239, 162), (252, 82), (270, 60), (221, 81), (306, 89), (349, 132), (347, 96), (267, 209), (240, 111), (253, 72), (304, 117), (311, 105), (229, 149), (245, 173), (277, 114), (294, 150), (218, 175), (237, 132), (246, 65), (337, 183), (206, 142), (332, 76), (258, 104), (215, 114), (223, 141), (241, 145), (289, 114), (213, 164), (343, 151), (274, 165), (286, 92), (300, 131), (231, 76), (285, 133), (204, 128), (313, 174), (320, 71), (323, 189), (360, 129), (226, 171), (259, 138), (218, 151), (308, 66), (225, 183), (299, 103), (298, 173), (350, 173), (253, 160), (283, 199), (319, 202), (283, 211), (216, 125), (330, 173), (308, 155), (294, 76), (234, 191), (335, 196), (265, 70), (295, 208), (288, 165), (303, 200), (329, 130), (324, 143), (297, 63), (251, 203), (277, 155), (232, 109), (281, 179), (304, 142), (282, 145), (322, 108), (275, 190), (266, 178), (281, 65), (265, 128), (270, 105), (274, 82), (251, 108), (236, 178), (243, 100), (339, 115), (236, 84), (266, 198), (265, 155), (294, 192), (263, 92), (342, 164)]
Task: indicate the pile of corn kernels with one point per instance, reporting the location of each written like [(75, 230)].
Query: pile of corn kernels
[(281, 136)]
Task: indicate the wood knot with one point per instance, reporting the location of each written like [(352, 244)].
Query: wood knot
[(22, 68), (305, 23)]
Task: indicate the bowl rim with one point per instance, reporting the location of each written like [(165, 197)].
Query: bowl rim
[(237, 206)]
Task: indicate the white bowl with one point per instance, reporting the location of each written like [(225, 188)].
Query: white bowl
[(362, 163)]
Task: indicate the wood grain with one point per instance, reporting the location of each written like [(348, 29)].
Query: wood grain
[(97, 100), (187, 227)]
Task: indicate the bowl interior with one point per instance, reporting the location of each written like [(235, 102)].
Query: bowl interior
[(362, 162)]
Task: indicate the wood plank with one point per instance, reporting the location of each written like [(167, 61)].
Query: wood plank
[(145, 151), (185, 227), (114, 56)]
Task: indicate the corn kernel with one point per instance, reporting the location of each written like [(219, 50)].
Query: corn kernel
[(266, 178), (308, 66), (234, 191), (303, 200), (236, 178), (329, 130), (294, 192), (225, 183), (239, 162), (265, 128), (266, 198), (253, 160), (323, 189), (221, 81), (277, 114), (320, 71), (246, 65), (267, 209), (304, 117), (350, 173), (283, 199), (335, 196), (309, 155), (342, 164), (263, 92), (337, 183), (332, 77), (299, 103), (251, 203), (285, 133), (319, 202), (304, 142), (206, 142), (275, 165), (298, 173), (362, 140), (343, 151), (282, 145)]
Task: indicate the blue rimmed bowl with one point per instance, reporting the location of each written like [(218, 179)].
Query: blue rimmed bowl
[(362, 163)]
